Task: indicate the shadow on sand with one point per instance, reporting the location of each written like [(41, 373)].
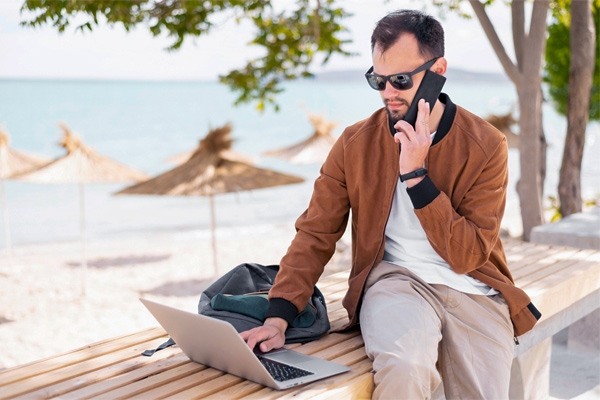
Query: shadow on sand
[(108, 262), (192, 287)]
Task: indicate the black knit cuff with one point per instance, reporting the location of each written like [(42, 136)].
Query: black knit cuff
[(423, 193), (536, 313), (281, 308)]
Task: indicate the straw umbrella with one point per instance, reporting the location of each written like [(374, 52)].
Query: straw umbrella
[(504, 123), (208, 172), (229, 154), (312, 150), (13, 163), (81, 165)]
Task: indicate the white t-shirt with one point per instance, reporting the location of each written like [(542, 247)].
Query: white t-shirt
[(406, 245)]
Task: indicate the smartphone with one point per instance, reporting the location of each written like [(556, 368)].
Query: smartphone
[(429, 89)]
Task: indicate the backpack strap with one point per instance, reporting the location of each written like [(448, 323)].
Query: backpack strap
[(150, 352)]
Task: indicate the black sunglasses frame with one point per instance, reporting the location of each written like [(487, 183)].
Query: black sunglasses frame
[(401, 81)]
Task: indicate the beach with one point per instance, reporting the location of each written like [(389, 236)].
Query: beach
[(44, 313), (159, 247)]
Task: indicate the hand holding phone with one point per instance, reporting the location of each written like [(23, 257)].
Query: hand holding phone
[(412, 157)]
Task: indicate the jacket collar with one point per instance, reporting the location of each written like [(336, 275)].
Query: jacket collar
[(447, 118)]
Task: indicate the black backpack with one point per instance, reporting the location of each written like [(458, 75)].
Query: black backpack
[(252, 279), (247, 281)]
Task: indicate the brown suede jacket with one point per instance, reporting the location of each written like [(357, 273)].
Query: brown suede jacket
[(460, 205)]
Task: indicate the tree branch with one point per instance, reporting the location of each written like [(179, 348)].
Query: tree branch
[(508, 65), (518, 29), (538, 28)]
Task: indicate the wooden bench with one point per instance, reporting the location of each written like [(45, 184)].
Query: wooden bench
[(564, 283)]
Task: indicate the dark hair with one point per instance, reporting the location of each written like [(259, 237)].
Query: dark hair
[(427, 30)]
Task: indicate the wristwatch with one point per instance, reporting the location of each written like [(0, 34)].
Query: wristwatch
[(415, 174)]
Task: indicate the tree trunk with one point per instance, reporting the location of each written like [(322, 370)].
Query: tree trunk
[(582, 43), (543, 146), (530, 181), (531, 145), (526, 74)]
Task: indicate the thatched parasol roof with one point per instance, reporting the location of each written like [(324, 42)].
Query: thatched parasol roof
[(504, 123), (226, 154), (312, 150), (210, 171), (81, 164), (13, 162)]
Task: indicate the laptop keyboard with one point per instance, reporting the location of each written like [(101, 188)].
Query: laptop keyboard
[(282, 372)]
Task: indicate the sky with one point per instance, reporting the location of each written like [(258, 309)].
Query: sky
[(112, 53)]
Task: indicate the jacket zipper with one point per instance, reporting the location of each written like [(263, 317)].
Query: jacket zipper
[(382, 243)]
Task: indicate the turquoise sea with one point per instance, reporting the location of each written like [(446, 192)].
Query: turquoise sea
[(142, 124)]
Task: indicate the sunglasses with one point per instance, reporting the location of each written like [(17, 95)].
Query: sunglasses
[(402, 81)]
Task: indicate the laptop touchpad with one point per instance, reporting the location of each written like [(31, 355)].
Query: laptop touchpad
[(289, 357)]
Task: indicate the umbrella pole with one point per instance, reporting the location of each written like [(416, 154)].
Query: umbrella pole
[(6, 223), (212, 229), (83, 255)]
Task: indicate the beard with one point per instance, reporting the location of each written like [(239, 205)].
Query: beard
[(395, 115)]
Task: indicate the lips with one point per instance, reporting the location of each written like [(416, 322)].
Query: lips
[(395, 105)]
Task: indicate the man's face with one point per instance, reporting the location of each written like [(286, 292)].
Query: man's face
[(402, 57)]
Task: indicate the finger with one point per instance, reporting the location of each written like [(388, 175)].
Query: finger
[(423, 116), (251, 342), (272, 343), (266, 346), (399, 136), (402, 126), (245, 335), (252, 337), (403, 131)]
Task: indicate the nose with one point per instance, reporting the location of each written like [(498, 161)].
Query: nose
[(389, 90)]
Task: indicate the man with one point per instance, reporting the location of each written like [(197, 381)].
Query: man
[(429, 282)]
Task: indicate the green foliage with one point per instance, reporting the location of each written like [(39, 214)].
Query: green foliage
[(455, 6), (293, 42), (553, 208), (291, 39), (558, 58)]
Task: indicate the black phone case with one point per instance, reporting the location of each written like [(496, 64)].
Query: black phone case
[(429, 89)]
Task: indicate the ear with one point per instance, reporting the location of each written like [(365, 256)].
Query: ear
[(440, 66)]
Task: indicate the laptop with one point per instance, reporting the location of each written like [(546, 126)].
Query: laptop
[(216, 343)]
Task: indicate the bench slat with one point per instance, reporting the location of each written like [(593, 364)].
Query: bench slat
[(207, 376), (46, 365), (154, 381), (158, 363), (534, 265), (67, 387), (70, 371)]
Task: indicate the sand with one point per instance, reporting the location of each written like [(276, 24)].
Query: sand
[(43, 311)]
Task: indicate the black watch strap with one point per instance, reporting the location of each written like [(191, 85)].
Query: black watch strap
[(415, 174)]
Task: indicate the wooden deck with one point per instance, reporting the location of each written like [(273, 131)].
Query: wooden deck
[(564, 283)]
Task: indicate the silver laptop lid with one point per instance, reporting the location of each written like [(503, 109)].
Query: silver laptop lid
[(217, 344)]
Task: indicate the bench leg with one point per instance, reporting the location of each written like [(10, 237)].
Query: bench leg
[(530, 373), (584, 334)]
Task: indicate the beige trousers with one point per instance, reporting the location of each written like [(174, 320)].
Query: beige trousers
[(420, 335)]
